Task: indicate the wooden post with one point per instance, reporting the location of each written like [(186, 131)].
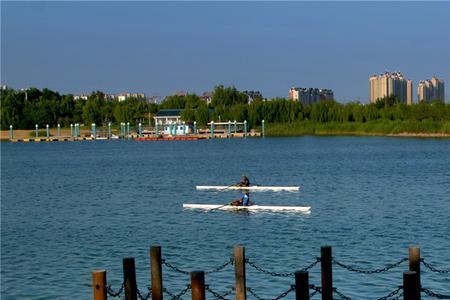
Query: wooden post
[(198, 285), (239, 267), (326, 269), (99, 285), (414, 263), (411, 290), (156, 273), (129, 278), (301, 285)]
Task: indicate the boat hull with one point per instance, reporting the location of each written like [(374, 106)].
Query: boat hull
[(304, 209), (255, 188)]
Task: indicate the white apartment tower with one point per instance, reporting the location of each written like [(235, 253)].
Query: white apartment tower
[(310, 96), (428, 90), (388, 84)]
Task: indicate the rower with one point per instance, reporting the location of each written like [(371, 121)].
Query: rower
[(244, 181), (243, 201)]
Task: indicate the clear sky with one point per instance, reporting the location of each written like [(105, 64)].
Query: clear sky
[(161, 47)]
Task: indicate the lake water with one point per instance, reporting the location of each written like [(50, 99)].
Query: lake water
[(70, 208)]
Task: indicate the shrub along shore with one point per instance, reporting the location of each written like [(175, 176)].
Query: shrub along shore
[(406, 128)]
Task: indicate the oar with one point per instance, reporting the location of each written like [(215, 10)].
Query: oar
[(217, 207), (225, 188)]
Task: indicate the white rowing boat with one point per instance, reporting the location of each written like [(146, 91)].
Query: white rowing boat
[(304, 209), (253, 188)]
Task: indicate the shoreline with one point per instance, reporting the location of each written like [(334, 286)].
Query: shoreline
[(24, 134)]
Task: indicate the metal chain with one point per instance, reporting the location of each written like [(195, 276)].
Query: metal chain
[(176, 269), (252, 264), (217, 295), (178, 296), (317, 289), (254, 294), (313, 294), (341, 295), (111, 293), (435, 295), (433, 269), (387, 268), (149, 294), (282, 295), (398, 293), (312, 265), (219, 268)]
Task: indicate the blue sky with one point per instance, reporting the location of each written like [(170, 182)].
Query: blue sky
[(161, 47)]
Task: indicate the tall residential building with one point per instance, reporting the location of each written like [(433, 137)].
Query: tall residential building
[(310, 95), (428, 90), (388, 84)]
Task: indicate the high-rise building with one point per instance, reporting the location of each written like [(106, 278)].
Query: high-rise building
[(388, 84), (310, 95), (428, 90)]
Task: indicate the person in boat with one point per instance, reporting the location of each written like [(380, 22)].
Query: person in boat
[(244, 181), (243, 201)]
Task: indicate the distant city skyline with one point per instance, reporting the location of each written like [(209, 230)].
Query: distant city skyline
[(157, 48)]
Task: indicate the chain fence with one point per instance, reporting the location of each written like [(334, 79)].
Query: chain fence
[(179, 295), (173, 268), (381, 270), (432, 294), (433, 269), (181, 271), (280, 296), (276, 274), (217, 295), (394, 295), (316, 290), (148, 296), (220, 268), (113, 293)]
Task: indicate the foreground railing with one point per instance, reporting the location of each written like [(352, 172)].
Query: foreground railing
[(410, 290)]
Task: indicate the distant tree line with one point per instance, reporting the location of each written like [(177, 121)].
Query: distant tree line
[(24, 109)]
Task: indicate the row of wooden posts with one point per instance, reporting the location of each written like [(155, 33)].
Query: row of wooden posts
[(411, 278)]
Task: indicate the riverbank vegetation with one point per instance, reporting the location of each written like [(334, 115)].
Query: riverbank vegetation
[(25, 108)]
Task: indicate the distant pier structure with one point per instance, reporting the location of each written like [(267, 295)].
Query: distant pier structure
[(167, 125)]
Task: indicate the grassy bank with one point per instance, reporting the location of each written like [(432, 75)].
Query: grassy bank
[(377, 127)]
